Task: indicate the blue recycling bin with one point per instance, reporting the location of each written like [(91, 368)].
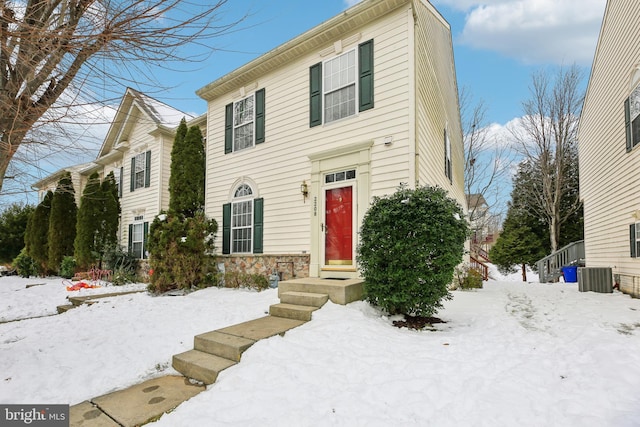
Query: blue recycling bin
[(570, 274)]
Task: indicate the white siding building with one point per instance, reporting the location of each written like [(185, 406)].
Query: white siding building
[(609, 139), (302, 138)]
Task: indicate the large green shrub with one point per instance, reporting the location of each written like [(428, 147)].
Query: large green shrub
[(180, 251), (410, 244), (37, 234), (68, 267), (88, 223), (62, 222), (13, 223), (186, 183)]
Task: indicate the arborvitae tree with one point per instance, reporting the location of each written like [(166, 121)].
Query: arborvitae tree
[(186, 184), (37, 235), (13, 223), (108, 235), (62, 222), (88, 223), (517, 245)]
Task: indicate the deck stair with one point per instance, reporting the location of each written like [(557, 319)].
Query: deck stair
[(218, 350), (550, 267)]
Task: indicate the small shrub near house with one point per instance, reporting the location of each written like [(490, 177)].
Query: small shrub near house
[(25, 265), (122, 265), (468, 278), (411, 243), (236, 279), (68, 267), (180, 251)]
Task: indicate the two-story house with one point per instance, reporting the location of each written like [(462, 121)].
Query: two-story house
[(302, 138), (137, 149), (609, 151)]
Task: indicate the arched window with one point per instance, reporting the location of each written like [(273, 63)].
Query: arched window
[(242, 220)]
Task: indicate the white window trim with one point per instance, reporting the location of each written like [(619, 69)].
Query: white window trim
[(253, 124), (141, 241), (355, 84), (634, 112), (249, 198), (140, 168)]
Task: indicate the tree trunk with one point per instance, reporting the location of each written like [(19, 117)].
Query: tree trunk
[(524, 272)]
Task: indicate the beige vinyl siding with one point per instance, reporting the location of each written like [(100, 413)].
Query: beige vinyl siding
[(437, 105), (279, 166), (142, 201), (608, 174)]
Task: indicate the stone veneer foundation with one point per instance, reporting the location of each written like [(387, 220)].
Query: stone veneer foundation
[(287, 266)]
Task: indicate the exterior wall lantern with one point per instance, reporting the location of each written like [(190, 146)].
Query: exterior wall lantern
[(304, 189)]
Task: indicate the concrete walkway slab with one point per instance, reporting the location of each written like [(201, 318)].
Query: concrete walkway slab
[(261, 328), (85, 414), (143, 402)]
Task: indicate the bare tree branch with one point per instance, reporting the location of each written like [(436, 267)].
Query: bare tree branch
[(52, 47)]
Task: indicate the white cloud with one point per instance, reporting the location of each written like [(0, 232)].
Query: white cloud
[(349, 3), (533, 31)]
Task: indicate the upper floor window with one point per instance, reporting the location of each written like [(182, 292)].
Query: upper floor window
[(245, 122), (342, 86), (447, 156), (632, 118), (140, 171)]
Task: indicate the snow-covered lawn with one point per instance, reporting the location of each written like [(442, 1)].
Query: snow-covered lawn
[(511, 354)]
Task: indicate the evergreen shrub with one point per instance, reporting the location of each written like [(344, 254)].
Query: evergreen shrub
[(68, 267), (25, 265), (468, 278), (410, 245), (180, 251), (123, 266)]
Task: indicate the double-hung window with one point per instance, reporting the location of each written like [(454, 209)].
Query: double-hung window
[(632, 118), (141, 170), (341, 86), (243, 118), (447, 156), (137, 238), (245, 122)]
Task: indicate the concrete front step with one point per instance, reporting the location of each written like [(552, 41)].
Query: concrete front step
[(224, 345), (200, 366), (291, 311), (304, 298), (339, 291)]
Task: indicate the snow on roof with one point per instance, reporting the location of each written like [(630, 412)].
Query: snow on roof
[(162, 113)]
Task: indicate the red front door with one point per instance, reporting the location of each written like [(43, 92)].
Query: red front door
[(339, 226)]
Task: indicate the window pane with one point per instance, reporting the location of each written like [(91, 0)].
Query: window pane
[(635, 131)]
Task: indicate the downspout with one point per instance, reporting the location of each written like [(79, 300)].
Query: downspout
[(412, 117)]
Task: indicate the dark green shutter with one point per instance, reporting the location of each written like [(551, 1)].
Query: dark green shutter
[(627, 124), (258, 226), (228, 128), (315, 96), (121, 182), (147, 169), (131, 239), (260, 116), (133, 173), (145, 233), (632, 240), (365, 70), (226, 228)]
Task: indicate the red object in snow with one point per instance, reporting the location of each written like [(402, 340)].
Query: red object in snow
[(81, 285)]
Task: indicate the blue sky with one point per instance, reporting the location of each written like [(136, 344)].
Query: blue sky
[(497, 46)]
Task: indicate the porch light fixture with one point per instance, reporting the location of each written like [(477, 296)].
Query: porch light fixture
[(304, 189)]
